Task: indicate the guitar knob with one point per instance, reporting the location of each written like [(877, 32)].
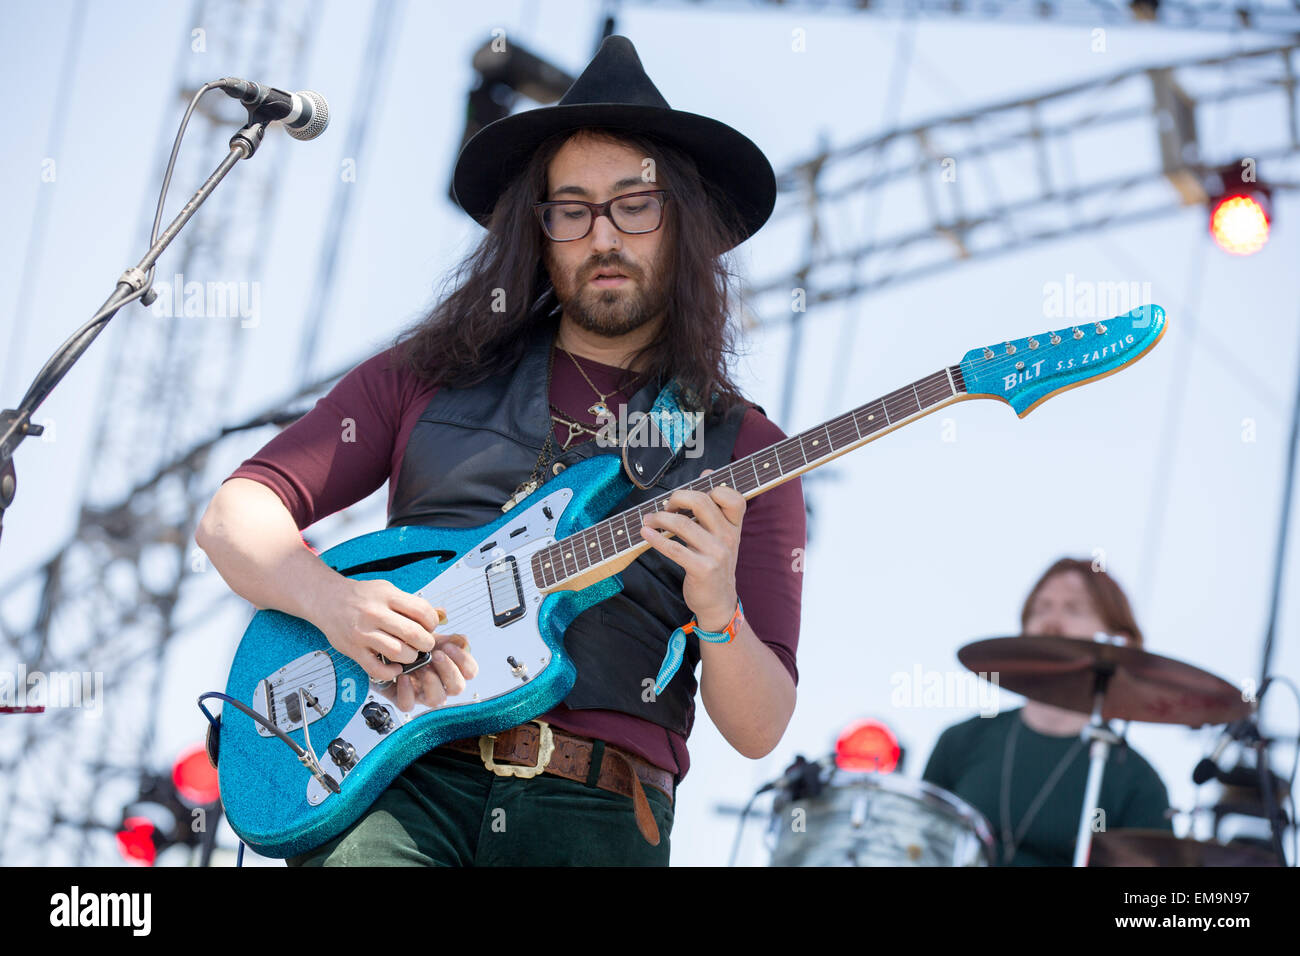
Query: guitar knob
[(344, 754), (377, 717)]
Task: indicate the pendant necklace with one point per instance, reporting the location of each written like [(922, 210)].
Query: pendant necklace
[(599, 409)]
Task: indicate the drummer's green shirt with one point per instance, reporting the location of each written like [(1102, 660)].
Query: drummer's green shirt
[(968, 760)]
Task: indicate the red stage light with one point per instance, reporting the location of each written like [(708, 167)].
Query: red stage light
[(1239, 224), (867, 745), (194, 777), (136, 841)]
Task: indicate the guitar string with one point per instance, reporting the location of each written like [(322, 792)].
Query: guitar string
[(480, 599), (933, 390)]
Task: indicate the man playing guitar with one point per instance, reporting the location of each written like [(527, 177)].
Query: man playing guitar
[(601, 279)]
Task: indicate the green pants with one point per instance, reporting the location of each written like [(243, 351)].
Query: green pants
[(447, 809)]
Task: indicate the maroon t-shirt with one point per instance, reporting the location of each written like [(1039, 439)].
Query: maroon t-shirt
[(353, 440)]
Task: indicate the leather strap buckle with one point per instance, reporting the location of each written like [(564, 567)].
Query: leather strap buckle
[(545, 747)]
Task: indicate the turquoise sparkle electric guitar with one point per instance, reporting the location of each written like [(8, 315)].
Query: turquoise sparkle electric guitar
[(306, 743)]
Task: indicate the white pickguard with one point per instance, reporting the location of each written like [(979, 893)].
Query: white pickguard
[(462, 590)]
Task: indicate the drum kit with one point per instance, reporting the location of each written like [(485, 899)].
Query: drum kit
[(855, 818), (872, 819)]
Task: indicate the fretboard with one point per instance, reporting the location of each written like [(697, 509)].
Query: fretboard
[(752, 475)]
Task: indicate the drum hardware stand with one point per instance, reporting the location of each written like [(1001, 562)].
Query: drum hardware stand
[(1103, 738), (1267, 781), (1246, 732), (1267, 784), (1076, 674), (801, 779)]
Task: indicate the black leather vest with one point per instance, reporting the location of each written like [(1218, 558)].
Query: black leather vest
[(466, 455)]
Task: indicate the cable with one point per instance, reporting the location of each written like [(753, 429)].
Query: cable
[(1290, 787), (740, 828), (370, 84), (306, 758), (899, 74), (40, 217), (1160, 485), (62, 360)]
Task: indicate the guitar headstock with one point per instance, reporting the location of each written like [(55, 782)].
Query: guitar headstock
[(1026, 372)]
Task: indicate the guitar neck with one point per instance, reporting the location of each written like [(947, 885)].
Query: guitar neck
[(607, 546)]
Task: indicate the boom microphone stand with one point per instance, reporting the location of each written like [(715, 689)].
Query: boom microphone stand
[(136, 282)]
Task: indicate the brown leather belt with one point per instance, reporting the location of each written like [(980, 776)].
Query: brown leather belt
[(536, 747)]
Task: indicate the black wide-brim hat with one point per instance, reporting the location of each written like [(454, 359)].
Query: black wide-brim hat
[(614, 92)]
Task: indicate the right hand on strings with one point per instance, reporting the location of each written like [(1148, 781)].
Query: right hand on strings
[(366, 619)]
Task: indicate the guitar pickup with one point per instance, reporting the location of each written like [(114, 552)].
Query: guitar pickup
[(504, 590)]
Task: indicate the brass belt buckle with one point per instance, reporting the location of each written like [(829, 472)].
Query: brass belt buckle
[(545, 747)]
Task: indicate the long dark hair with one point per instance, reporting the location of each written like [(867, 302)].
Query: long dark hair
[(502, 288)]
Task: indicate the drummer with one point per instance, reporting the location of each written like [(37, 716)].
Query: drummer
[(1026, 769)]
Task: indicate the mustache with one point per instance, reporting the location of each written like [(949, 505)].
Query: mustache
[(615, 265)]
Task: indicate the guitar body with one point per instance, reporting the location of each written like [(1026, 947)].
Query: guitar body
[(273, 803)]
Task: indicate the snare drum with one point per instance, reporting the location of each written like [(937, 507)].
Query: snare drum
[(870, 819)]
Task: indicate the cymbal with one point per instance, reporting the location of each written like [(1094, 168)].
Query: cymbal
[(1159, 848), (1142, 686)]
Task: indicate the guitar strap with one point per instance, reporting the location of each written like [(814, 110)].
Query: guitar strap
[(667, 427), (655, 441)]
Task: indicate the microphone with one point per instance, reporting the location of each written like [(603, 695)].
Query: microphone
[(1208, 768), (304, 115)]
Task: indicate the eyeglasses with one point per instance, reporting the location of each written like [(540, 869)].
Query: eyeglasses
[(632, 213)]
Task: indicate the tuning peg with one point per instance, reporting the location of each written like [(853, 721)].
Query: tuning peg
[(1100, 329), (1011, 349), (1078, 332), (1033, 343), (1056, 339), (988, 353)]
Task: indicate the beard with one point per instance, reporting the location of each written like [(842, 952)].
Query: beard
[(610, 312)]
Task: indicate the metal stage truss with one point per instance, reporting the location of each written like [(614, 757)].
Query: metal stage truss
[(114, 597), (1277, 17)]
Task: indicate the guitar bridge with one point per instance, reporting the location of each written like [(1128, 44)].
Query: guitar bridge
[(276, 696)]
